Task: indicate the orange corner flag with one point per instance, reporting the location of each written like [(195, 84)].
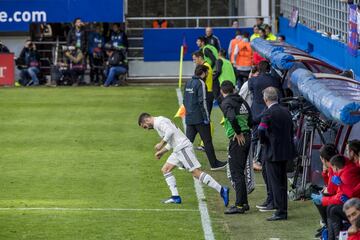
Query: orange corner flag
[(180, 112)]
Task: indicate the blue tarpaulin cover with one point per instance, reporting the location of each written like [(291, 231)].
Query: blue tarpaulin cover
[(334, 98), (274, 54)]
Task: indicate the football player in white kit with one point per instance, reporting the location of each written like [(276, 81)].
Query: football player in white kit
[(182, 156)]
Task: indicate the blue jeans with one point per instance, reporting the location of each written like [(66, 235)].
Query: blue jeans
[(112, 74), (32, 72)]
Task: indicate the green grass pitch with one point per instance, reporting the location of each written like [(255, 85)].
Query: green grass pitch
[(81, 148)]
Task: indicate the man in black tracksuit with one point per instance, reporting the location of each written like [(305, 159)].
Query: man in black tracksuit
[(197, 115), (237, 126)]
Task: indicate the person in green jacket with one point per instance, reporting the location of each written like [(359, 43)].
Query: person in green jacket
[(209, 51), (238, 122), (224, 70)]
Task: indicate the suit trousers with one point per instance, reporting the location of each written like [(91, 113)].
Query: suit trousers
[(237, 162), (205, 135), (276, 175)]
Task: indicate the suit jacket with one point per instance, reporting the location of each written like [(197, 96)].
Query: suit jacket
[(277, 134)]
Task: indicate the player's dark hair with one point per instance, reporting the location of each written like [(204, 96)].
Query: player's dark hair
[(222, 52), (328, 151), (338, 161), (142, 118), (200, 69), (76, 20), (202, 39), (264, 67), (227, 87), (198, 54), (354, 145)]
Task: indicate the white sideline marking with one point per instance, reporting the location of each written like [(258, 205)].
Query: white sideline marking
[(101, 209), (204, 213)]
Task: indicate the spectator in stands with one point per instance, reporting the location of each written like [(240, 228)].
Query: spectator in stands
[(269, 35), (116, 65), (29, 63), (75, 65), (96, 55), (77, 36), (159, 23), (209, 51), (352, 211), (46, 32), (197, 115), (118, 38), (224, 71), (256, 33), (281, 38), (262, 34), (198, 58), (232, 46), (3, 48), (260, 23), (212, 39), (235, 24), (243, 60)]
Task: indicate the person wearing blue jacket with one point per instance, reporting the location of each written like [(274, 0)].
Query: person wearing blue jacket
[(96, 55), (197, 116)]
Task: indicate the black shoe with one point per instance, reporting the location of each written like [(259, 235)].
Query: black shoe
[(261, 206), (235, 210), (268, 208), (219, 166), (246, 207), (278, 217)]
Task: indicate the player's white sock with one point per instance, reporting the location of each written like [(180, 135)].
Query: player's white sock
[(171, 182), (208, 180)]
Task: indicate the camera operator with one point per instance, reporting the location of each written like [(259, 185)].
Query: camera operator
[(116, 64), (74, 66), (96, 55), (3, 48), (29, 62)]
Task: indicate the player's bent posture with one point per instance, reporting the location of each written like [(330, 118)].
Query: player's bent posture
[(182, 156)]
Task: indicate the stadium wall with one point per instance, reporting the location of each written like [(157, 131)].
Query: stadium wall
[(164, 44), (324, 48)]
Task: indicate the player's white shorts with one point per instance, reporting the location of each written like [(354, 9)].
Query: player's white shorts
[(184, 158)]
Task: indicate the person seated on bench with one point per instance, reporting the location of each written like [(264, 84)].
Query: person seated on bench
[(116, 65), (75, 64), (29, 62)]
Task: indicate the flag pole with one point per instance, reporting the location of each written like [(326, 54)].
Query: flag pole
[(181, 65)]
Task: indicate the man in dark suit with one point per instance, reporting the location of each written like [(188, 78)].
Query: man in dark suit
[(276, 136)]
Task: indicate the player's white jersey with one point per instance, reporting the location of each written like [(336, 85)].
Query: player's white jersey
[(174, 137)]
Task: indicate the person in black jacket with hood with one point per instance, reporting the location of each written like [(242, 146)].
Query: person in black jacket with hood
[(237, 124), (116, 64), (197, 115), (77, 36)]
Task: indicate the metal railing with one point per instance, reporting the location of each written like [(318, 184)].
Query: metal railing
[(327, 16), (196, 19)]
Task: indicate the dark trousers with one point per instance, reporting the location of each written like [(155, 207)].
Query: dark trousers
[(323, 213), (335, 219), (269, 195), (276, 172), (96, 69), (237, 162), (209, 101), (205, 135)]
